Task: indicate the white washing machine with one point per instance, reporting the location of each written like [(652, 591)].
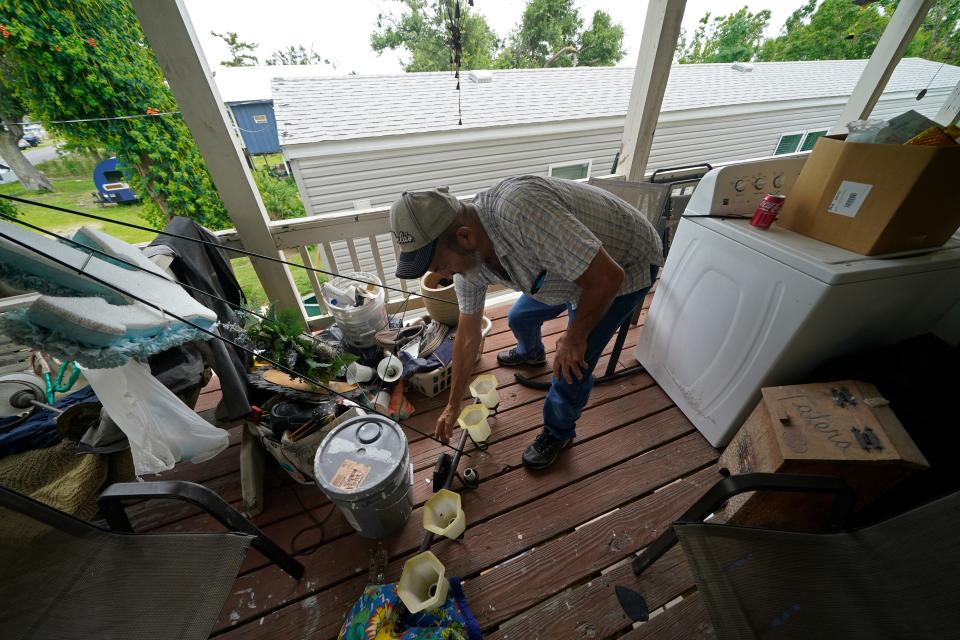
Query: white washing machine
[(739, 308)]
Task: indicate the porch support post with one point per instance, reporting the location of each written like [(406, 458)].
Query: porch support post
[(170, 33), (896, 38), (661, 29), (950, 110)]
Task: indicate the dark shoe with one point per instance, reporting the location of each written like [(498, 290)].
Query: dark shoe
[(510, 358), (544, 451)]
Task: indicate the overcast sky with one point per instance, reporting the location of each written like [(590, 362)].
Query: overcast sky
[(340, 30)]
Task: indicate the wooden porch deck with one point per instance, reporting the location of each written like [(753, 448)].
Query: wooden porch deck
[(542, 552)]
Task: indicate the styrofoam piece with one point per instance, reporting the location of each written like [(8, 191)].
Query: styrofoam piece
[(484, 389), (423, 583), (474, 419), (443, 514), (98, 315)]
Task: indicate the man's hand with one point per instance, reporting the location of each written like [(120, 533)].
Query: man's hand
[(446, 422), (570, 359)]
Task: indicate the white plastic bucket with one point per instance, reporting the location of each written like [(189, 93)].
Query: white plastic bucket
[(360, 324)]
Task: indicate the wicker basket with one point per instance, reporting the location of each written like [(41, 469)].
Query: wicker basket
[(430, 383)]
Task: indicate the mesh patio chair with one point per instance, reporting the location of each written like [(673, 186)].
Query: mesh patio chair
[(894, 579), (61, 577)]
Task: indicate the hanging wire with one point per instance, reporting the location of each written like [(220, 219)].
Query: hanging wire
[(100, 118), (216, 245), (455, 42), (215, 335), (923, 92)]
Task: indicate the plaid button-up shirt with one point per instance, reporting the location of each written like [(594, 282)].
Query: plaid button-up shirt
[(556, 227)]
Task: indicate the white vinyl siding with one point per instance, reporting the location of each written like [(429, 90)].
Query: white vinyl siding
[(333, 183)]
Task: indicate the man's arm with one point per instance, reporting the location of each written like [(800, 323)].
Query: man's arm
[(598, 288), (466, 344)]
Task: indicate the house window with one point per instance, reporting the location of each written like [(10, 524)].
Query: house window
[(788, 143), (579, 170), (810, 139), (260, 118)]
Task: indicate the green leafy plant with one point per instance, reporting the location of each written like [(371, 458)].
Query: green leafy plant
[(280, 196), (8, 208), (281, 338)]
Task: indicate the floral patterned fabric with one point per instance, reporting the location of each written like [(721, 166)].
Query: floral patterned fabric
[(379, 614)]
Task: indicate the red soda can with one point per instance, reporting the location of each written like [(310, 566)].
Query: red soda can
[(767, 212)]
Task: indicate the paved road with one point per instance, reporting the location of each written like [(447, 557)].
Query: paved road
[(38, 155)]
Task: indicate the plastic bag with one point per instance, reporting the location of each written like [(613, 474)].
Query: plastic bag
[(864, 130), (161, 429)]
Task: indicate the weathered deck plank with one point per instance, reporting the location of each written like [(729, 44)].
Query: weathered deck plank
[(542, 551)]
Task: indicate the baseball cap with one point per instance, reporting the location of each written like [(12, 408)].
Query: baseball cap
[(417, 219)]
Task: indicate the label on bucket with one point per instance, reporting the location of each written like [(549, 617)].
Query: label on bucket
[(350, 475)]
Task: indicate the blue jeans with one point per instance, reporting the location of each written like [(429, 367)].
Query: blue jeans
[(564, 401)]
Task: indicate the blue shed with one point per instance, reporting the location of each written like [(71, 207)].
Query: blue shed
[(257, 125), (111, 183)]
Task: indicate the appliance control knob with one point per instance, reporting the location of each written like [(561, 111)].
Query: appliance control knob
[(758, 184), (739, 185), (778, 181)]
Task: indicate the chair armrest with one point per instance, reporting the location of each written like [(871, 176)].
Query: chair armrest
[(724, 489), (111, 503)]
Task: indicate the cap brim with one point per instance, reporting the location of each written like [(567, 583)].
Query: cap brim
[(413, 264)]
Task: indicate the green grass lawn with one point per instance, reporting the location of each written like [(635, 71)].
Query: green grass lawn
[(76, 193)]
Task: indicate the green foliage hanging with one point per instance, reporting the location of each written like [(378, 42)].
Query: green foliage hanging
[(281, 337), (81, 59)]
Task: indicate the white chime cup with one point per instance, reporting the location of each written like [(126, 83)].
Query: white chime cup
[(423, 583), (473, 418), (443, 514), (484, 389), (390, 369), (357, 373)]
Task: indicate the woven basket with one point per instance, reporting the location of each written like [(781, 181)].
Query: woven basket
[(430, 383)]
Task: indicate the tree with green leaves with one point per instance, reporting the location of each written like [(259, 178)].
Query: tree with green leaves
[(731, 38), (241, 52), (297, 55), (829, 30), (89, 60), (551, 33), (423, 30), (12, 113), (939, 35)]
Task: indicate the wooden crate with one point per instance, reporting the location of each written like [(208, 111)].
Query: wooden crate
[(813, 429)]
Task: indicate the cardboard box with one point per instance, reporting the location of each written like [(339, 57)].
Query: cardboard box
[(876, 198), (810, 429)]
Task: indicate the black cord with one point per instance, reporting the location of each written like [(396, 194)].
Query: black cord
[(216, 245), (317, 524), (152, 305)]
